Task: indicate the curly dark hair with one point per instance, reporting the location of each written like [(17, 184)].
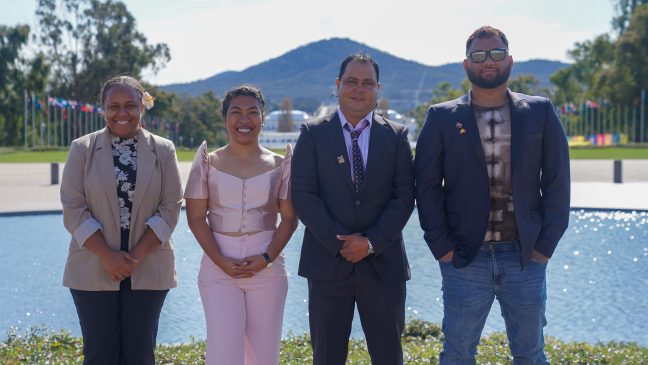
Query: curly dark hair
[(123, 80), (486, 32), (243, 90)]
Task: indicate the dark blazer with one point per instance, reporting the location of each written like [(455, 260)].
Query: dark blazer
[(327, 204), (452, 186)]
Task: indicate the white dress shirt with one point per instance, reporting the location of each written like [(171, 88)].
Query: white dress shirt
[(363, 140)]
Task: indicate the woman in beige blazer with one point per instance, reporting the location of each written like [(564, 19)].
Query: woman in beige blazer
[(121, 195)]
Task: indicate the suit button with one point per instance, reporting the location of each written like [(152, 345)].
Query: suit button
[(357, 202)]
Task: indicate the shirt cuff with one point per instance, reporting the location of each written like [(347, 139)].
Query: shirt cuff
[(85, 230), (159, 227)]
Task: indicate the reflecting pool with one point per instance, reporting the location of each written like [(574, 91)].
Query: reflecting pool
[(597, 280)]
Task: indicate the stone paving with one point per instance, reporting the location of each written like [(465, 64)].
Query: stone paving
[(25, 187)]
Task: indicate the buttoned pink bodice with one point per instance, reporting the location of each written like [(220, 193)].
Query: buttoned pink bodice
[(235, 204)]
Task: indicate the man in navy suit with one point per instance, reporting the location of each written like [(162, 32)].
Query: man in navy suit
[(492, 191), (353, 188)]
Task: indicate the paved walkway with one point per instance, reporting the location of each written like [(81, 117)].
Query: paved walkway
[(26, 187)]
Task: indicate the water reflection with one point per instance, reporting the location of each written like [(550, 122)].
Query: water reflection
[(597, 280)]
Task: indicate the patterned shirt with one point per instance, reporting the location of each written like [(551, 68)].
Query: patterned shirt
[(125, 161), (495, 130)]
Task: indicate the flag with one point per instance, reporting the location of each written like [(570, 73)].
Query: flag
[(40, 105), (591, 104)]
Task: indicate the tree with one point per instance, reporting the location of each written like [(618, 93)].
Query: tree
[(527, 84), (286, 121), (567, 86), (443, 92), (17, 75), (89, 41), (625, 9), (630, 72), (12, 39), (586, 76), (202, 120)]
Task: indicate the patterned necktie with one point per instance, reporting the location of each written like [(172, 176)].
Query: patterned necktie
[(358, 164)]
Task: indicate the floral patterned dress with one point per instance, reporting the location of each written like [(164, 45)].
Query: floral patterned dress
[(125, 161)]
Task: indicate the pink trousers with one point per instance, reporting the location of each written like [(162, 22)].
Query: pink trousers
[(243, 316)]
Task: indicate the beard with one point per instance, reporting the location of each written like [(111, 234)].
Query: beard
[(499, 79)]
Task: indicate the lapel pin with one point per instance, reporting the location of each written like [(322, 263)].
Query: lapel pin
[(460, 127), (340, 159)]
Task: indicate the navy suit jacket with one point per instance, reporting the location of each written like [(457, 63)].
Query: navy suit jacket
[(452, 184), (326, 202)]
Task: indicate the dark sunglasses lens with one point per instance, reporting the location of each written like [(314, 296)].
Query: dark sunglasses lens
[(498, 54), (478, 57)]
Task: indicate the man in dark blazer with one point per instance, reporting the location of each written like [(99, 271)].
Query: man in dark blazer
[(492, 191), (353, 188)]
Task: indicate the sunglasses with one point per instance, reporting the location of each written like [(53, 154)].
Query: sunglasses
[(497, 54)]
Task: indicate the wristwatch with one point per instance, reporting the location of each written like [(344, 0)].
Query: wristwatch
[(268, 259), (370, 251)]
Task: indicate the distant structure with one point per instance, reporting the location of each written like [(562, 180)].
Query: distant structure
[(271, 121), (270, 138), (411, 124), (393, 115)]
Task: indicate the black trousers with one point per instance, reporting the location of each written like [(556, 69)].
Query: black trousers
[(381, 306), (119, 327)]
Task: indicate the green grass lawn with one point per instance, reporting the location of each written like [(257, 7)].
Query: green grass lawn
[(608, 153), (13, 155), (579, 153), (422, 342)]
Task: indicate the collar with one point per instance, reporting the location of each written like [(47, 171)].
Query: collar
[(343, 119)]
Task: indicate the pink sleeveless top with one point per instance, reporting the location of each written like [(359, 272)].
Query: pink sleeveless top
[(235, 204)]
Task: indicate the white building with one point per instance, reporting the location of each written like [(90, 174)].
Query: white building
[(392, 115), (271, 121), (278, 140), (270, 138)]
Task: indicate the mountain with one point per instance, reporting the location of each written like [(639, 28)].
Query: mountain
[(307, 75)]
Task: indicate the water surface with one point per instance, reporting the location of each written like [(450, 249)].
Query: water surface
[(597, 280)]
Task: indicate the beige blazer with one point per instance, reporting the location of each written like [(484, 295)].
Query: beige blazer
[(89, 199)]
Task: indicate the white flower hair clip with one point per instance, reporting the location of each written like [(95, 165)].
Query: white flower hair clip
[(148, 100)]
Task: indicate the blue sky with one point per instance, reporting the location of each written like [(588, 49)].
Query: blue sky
[(210, 36)]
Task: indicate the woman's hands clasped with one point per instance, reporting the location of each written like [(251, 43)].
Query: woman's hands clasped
[(118, 264), (244, 268), (256, 263), (236, 269)]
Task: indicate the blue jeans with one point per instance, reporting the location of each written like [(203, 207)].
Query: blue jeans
[(468, 295)]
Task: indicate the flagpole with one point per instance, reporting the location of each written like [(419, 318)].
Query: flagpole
[(69, 125), (48, 120), (62, 123), (625, 121), (633, 130), (25, 110), (33, 120), (55, 142), (642, 114)]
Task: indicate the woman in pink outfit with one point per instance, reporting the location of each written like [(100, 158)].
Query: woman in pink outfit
[(233, 196)]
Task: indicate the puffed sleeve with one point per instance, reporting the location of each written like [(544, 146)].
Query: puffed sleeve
[(284, 188), (197, 187)]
